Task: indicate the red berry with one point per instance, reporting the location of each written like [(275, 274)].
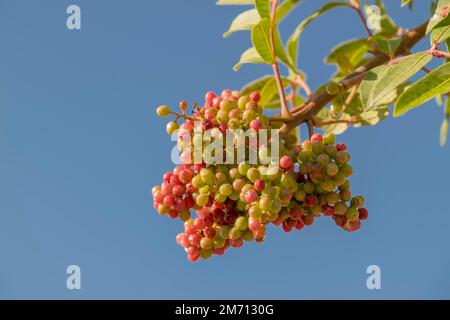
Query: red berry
[(285, 162), (194, 239), (311, 200), (169, 201), (237, 243), (167, 176), (316, 138), (299, 225), (183, 105), (255, 96), (259, 185), (210, 96), (340, 220), (251, 196), (363, 213), (328, 210), (341, 147), (256, 125)]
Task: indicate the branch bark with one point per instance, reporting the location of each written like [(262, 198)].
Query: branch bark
[(311, 107)]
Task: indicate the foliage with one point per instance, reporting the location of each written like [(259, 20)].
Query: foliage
[(390, 74)]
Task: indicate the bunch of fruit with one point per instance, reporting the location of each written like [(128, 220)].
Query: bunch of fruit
[(225, 205)]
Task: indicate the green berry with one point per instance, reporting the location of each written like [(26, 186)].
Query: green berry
[(171, 127), (241, 223), (163, 111)]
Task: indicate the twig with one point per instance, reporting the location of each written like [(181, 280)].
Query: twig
[(313, 106), (310, 125), (357, 7), (276, 71), (319, 123), (302, 83)]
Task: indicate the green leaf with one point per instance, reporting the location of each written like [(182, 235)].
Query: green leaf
[(437, 18), (348, 54), (406, 2), (263, 7), (249, 56), (270, 91), (435, 83), (387, 25), (441, 32), (388, 46), (256, 85), (335, 128), (444, 131), (261, 40), (234, 2), (245, 21), (292, 44), (285, 8), (383, 80)]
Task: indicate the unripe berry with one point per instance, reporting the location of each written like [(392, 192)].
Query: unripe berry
[(247, 235), (241, 223), (342, 157), (332, 169), (352, 214), (171, 127), (328, 139), (205, 253), (340, 208), (242, 102), (357, 201), (163, 111), (345, 195)]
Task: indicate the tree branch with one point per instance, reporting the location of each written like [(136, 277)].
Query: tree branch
[(313, 106)]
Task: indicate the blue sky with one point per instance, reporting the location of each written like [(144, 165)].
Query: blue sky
[(81, 148)]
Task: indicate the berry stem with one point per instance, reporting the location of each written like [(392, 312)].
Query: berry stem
[(276, 71)]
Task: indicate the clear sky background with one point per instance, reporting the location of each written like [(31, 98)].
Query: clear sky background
[(80, 149)]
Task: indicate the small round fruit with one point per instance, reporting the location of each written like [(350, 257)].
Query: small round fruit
[(163, 111), (172, 126)]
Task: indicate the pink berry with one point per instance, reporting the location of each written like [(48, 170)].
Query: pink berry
[(237, 243), (254, 224), (251, 196), (316, 138), (194, 239), (255, 96), (256, 125), (259, 185), (285, 162), (226, 93), (210, 96)]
